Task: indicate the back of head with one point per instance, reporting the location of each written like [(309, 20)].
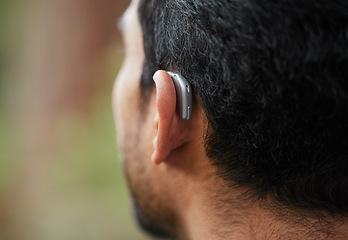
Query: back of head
[(272, 79)]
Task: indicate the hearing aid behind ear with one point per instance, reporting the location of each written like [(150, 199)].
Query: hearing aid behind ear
[(183, 96)]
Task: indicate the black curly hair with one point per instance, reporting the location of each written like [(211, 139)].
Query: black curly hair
[(272, 79)]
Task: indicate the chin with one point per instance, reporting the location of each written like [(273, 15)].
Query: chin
[(151, 222)]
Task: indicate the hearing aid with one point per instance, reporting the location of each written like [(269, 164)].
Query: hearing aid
[(183, 96)]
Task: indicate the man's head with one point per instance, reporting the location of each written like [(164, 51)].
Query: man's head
[(270, 110)]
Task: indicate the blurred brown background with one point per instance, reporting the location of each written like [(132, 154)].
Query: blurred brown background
[(60, 178)]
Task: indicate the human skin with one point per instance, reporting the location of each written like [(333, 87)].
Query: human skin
[(174, 187), (161, 154)]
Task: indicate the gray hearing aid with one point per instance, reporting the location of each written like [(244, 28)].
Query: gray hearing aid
[(183, 96)]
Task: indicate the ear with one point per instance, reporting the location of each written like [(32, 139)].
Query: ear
[(171, 132)]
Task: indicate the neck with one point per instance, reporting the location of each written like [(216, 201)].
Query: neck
[(210, 217)]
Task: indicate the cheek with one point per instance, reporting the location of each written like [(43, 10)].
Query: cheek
[(125, 98)]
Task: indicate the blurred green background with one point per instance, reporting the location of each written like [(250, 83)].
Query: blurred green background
[(60, 178)]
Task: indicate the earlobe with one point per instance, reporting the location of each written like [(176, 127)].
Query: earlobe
[(171, 131)]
